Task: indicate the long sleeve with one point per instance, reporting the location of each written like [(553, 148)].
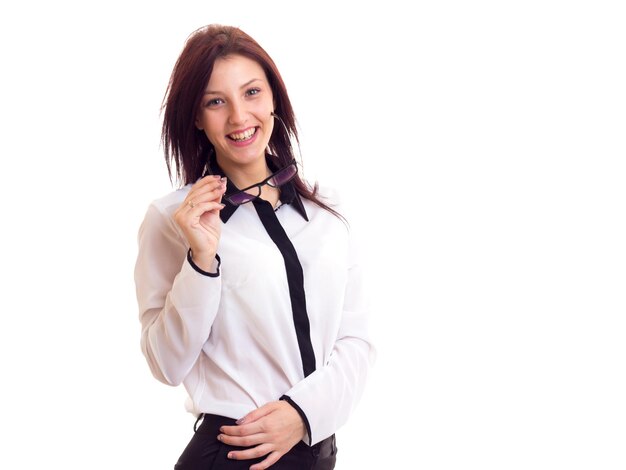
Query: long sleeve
[(328, 396), (230, 335), (177, 304)]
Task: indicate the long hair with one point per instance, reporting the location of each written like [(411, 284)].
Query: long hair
[(187, 149)]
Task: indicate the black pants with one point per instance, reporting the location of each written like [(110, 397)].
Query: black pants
[(205, 452)]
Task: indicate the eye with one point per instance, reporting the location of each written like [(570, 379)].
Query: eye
[(213, 102), (253, 91)]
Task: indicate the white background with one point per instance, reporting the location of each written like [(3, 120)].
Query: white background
[(482, 145)]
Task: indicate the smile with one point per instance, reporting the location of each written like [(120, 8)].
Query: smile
[(242, 136)]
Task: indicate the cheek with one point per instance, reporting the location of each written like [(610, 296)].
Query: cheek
[(264, 114), (209, 124)]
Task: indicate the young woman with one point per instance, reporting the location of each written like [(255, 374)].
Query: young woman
[(249, 287)]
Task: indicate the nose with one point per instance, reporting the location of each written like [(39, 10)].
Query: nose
[(237, 113)]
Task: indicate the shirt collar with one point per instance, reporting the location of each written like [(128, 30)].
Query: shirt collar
[(288, 193)]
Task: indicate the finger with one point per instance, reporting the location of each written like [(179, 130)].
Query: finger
[(243, 430), (212, 196), (209, 184), (254, 453), (258, 413), (206, 180), (186, 216), (268, 462), (198, 209), (214, 190), (243, 441)]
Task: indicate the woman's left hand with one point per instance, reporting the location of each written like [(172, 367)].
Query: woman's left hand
[(271, 429)]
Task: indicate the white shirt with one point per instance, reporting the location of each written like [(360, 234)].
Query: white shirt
[(230, 337)]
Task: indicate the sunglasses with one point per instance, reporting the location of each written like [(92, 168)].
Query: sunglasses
[(282, 176)]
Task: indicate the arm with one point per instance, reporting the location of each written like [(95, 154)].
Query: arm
[(179, 293), (177, 302), (326, 398)]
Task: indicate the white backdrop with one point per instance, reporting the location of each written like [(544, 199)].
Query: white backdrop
[(482, 147)]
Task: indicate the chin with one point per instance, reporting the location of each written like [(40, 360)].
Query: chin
[(243, 158)]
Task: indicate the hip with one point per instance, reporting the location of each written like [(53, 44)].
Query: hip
[(205, 452)]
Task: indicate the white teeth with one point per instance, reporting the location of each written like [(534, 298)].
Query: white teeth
[(243, 135)]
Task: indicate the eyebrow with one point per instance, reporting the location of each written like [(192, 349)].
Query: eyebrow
[(209, 92)]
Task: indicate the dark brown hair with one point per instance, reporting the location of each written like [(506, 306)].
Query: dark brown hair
[(187, 148)]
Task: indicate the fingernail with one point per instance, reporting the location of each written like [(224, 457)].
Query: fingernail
[(223, 179), (219, 437), (230, 455), (240, 420), (222, 205)]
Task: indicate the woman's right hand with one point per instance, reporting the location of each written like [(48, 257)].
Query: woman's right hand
[(199, 219)]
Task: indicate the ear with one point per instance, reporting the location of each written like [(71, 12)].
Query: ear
[(198, 124)]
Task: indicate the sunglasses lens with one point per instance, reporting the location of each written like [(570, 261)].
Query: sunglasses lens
[(283, 176), (241, 198)]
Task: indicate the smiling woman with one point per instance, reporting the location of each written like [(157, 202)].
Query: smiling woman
[(237, 118), (249, 287)]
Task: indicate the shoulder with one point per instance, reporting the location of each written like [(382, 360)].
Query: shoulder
[(167, 204), (337, 199), (329, 195), (159, 216)]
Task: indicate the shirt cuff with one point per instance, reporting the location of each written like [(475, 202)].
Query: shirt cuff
[(302, 415), (201, 271)]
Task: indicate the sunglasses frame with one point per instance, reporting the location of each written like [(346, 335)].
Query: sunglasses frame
[(260, 184)]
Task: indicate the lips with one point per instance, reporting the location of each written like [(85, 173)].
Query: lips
[(242, 136)]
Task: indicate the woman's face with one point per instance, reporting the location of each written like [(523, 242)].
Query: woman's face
[(235, 111)]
